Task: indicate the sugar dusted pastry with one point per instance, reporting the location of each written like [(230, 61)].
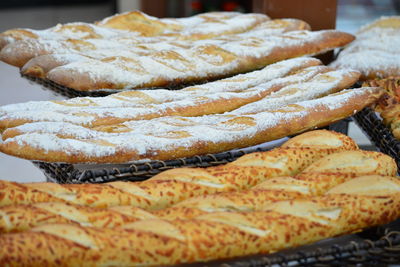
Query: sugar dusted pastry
[(174, 137), (375, 52), (111, 55), (214, 97)]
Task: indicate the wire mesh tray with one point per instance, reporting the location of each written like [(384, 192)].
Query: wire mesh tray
[(71, 93), (66, 91), (378, 133), (138, 171), (379, 246)]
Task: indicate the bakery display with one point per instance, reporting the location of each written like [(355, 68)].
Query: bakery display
[(375, 52), (317, 185), (243, 81), (180, 55)]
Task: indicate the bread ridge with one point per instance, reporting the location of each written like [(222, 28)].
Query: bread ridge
[(158, 242)]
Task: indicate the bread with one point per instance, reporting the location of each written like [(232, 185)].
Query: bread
[(315, 179), (198, 63), (175, 185), (375, 52), (218, 46), (137, 25), (344, 209), (310, 182), (176, 137), (48, 55), (214, 97), (243, 94)]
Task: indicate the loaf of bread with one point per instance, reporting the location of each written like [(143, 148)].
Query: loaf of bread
[(136, 25), (175, 185), (176, 137), (182, 55), (214, 97), (279, 84), (79, 49), (314, 180), (375, 52), (359, 203), (48, 55)]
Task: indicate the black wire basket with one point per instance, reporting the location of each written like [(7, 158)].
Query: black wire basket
[(68, 92), (139, 171), (378, 133)]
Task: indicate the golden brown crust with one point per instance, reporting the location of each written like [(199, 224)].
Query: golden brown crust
[(211, 236)]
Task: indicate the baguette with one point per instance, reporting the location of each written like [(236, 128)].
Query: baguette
[(214, 97), (176, 137), (137, 25), (23, 217), (314, 180), (306, 84), (375, 52), (68, 50), (158, 242), (133, 68), (48, 56), (175, 185), (200, 62)]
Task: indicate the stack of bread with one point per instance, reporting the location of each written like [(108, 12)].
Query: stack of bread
[(282, 99), (375, 53), (117, 53), (317, 185)]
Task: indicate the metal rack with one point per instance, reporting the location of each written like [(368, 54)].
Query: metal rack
[(138, 171), (71, 93), (378, 133)]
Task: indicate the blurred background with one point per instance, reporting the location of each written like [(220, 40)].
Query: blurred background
[(345, 15)]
